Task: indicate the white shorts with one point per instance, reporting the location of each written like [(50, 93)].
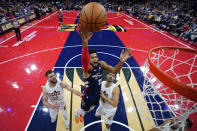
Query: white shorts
[(108, 114), (54, 112)]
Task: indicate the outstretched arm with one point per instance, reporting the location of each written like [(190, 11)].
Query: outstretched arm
[(66, 86), (124, 56), (85, 59)]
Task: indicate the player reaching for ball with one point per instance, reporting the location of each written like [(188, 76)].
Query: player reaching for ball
[(92, 74)]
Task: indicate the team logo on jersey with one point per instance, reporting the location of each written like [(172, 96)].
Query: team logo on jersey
[(72, 27)]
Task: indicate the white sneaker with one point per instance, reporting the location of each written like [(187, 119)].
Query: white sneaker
[(66, 124), (53, 120), (97, 114), (107, 129)]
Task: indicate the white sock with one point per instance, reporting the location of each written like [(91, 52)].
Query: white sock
[(80, 111)]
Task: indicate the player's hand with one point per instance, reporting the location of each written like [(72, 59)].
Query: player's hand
[(85, 35), (125, 55), (102, 94), (78, 94), (55, 106)]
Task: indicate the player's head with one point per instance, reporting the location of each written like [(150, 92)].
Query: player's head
[(110, 77), (93, 57), (188, 125), (51, 77)]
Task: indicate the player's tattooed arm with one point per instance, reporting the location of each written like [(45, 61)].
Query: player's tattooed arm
[(66, 86)]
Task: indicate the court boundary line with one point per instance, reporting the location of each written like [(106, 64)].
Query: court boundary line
[(95, 122), (28, 28), (157, 31), (33, 113)]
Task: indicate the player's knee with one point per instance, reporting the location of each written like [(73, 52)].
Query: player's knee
[(65, 115), (108, 125), (53, 119), (64, 107)]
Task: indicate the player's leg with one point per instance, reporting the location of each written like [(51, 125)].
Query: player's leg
[(98, 111), (108, 118), (108, 122), (79, 115), (53, 114), (81, 111), (59, 22), (65, 116)]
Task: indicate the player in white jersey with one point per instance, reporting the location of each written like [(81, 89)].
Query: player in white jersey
[(53, 96), (109, 100)]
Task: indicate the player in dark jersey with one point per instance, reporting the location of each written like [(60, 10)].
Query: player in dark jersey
[(92, 74), (60, 17)]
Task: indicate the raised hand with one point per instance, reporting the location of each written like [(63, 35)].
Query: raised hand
[(84, 34), (125, 55)]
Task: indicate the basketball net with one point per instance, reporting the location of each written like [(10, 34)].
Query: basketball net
[(177, 68)]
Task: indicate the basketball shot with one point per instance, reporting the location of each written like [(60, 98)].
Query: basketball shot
[(53, 97), (92, 74), (93, 17), (109, 100)]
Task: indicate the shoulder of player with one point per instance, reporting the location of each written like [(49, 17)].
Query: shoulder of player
[(103, 83), (63, 84), (102, 62), (90, 69), (44, 90), (116, 90)]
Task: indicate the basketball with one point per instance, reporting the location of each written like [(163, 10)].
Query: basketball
[(93, 17)]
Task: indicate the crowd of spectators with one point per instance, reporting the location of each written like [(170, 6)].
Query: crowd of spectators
[(179, 17), (10, 9)]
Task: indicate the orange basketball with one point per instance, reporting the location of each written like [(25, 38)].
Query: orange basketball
[(93, 17)]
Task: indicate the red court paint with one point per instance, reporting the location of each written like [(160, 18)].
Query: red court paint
[(22, 78)]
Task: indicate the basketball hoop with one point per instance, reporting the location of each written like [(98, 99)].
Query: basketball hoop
[(170, 85)]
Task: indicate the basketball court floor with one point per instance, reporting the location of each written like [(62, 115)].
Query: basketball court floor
[(45, 46)]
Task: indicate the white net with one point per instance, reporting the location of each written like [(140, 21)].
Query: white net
[(164, 103)]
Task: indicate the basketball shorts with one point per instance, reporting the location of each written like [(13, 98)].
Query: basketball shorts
[(108, 114), (54, 112), (89, 101)]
